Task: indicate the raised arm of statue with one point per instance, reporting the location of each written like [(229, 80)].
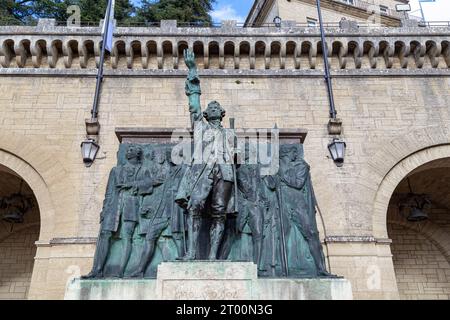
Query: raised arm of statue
[(192, 87)]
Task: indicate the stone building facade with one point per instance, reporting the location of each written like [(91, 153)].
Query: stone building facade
[(380, 12), (391, 89)]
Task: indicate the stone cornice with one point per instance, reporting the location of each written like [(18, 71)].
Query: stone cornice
[(164, 135), (228, 49), (313, 73)]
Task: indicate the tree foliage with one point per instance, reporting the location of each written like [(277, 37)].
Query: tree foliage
[(22, 11), (27, 11), (181, 10)]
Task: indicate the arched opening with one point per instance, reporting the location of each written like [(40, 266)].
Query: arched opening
[(292, 55), (260, 54), (135, 55), (152, 60), (421, 249), (199, 54), (275, 50), (244, 51), (213, 49), (19, 230), (229, 54), (120, 54), (182, 45), (167, 49)]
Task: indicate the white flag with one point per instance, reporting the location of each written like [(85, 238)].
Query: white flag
[(109, 29)]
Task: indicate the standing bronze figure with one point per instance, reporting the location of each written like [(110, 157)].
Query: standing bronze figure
[(210, 175), (120, 214), (305, 254), (156, 208), (250, 219)]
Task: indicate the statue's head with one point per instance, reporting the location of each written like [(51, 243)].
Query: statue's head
[(288, 152), (214, 111), (134, 152), (160, 156)]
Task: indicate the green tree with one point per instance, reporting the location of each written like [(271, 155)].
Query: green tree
[(181, 10), (16, 11), (94, 11), (23, 11)]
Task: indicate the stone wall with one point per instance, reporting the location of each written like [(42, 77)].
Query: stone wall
[(422, 271), (17, 253), (300, 11), (366, 12), (389, 114)]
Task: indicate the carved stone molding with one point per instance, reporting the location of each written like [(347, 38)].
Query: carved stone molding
[(164, 135), (225, 48)]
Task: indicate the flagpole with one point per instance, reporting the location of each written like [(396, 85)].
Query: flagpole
[(94, 111), (421, 11), (333, 112), (421, 8)]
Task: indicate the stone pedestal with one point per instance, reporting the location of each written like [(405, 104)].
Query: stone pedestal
[(207, 280)]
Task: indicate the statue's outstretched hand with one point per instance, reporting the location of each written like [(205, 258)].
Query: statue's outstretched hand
[(189, 58)]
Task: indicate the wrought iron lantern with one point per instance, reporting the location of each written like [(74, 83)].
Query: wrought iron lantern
[(412, 206), (16, 206), (417, 214), (89, 150), (337, 151)]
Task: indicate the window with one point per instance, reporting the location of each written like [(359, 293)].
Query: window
[(384, 9), (352, 2), (311, 22)]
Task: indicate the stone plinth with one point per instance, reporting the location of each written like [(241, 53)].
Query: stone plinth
[(304, 289), (207, 280), (111, 289)]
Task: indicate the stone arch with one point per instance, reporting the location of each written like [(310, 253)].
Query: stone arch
[(275, 55), (45, 175), (178, 53), (134, 53), (40, 190), (371, 49), (433, 51), (293, 50), (213, 49), (397, 159), (118, 51)]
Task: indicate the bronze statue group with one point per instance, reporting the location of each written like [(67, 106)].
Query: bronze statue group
[(208, 208)]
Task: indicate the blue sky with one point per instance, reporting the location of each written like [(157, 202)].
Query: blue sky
[(228, 9), (231, 10)]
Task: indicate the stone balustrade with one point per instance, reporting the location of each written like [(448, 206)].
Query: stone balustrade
[(287, 49)]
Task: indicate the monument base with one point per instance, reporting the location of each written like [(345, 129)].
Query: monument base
[(209, 280)]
